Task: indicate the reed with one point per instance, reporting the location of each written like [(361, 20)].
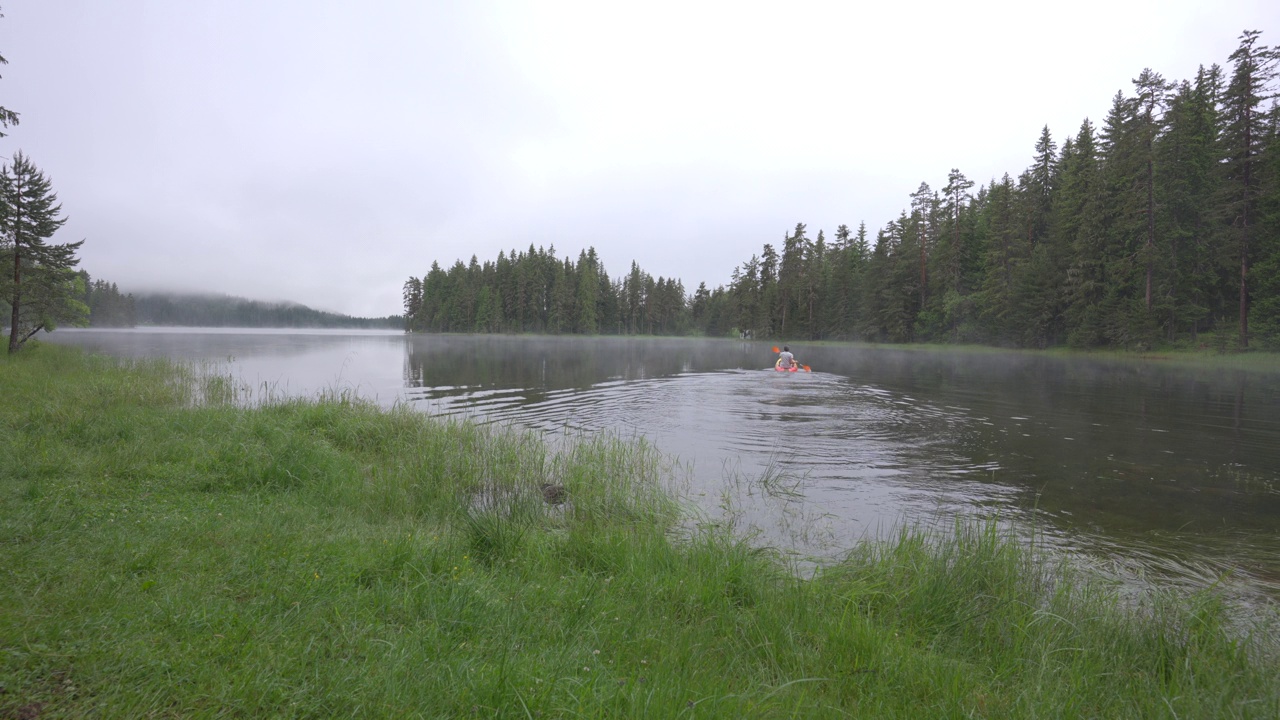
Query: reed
[(168, 553)]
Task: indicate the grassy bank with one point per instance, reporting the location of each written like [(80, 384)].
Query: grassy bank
[(166, 554)]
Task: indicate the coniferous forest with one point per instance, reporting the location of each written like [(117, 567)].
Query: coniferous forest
[(1151, 228), (210, 310), (108, 307)]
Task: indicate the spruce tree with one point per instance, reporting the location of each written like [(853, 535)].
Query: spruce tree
[(791, 281), (1266, 271), (817, 278), (870, 292), (1076, 226), (43, 290), (633, 293), (1122, 213), (1041, 182), (898, 304), (1187, 178), (767, 320), (1245, 125), (563, 284), (1003, 243), (745, 287), (586, 320)]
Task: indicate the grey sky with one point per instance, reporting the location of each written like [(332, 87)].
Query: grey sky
[(323, 151)]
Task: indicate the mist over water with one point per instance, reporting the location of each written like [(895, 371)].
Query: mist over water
[(1168, 469)]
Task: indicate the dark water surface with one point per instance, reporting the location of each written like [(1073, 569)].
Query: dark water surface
[(1161, 469)]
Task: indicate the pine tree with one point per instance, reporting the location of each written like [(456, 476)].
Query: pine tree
[(607, 302), (1076, 227), (563, 301), (922, 203), (745, 286), (701, 306), (1004, 244), (44, 288), (817, 278), (1244, 136), (412, 304), (1266, 271), (1034, 315), (1151, 89), (1123, 224), (954, 254), (1187, 180), (485, 310), (899, 295), (586, 319), (633, 292), (791, 280), (856, 266), (434, 291), (1041, 182), (766, 319)]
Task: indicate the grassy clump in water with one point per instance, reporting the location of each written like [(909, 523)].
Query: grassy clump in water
[(167, 554)]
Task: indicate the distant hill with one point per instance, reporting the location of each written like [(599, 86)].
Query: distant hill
[(200, 310)]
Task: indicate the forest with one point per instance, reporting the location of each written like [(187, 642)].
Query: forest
[(108, 307), (197, 310), (1160, 226)]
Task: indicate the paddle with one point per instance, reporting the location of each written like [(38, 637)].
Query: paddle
[(803, 367)]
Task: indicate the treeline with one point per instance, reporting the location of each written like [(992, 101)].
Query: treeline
[(534, 291), (108, 307), (1159, 225), (227, 311)]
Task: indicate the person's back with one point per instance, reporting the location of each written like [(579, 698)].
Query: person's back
[(785, 358)]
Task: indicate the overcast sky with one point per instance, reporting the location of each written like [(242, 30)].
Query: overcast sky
[(323, 151)]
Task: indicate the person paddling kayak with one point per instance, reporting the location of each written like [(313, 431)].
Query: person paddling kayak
[(787, 362), (785, 359)]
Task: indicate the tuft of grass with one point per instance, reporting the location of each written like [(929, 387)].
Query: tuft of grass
[(165, 552)]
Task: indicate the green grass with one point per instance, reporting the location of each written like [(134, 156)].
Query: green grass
[(164, 553)]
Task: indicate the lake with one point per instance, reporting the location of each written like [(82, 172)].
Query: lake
[(1152, 469)]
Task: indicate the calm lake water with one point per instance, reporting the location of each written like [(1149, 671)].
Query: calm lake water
[(1150, 468)]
